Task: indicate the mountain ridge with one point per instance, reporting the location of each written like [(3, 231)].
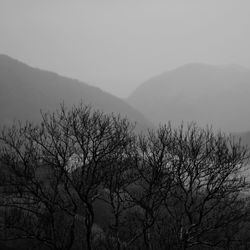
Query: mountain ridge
[(207, 94), (26, 90)]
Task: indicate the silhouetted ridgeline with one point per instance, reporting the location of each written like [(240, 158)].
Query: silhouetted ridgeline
[(26, 90)]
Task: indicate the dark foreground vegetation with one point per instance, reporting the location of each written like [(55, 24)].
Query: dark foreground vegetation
[(85, 180)]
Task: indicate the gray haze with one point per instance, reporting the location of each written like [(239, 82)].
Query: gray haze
[(117, 44)]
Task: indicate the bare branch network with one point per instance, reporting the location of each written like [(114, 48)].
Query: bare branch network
[(85, 180)]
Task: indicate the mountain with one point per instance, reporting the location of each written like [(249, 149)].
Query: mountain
[(24, 91), (210, 95)]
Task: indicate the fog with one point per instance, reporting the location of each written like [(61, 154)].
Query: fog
[(116, 45)]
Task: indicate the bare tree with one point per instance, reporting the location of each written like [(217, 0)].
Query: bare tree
[(170, 189), (32, 201), (152, 183), (119, 177), (209, 185), (74, 149)]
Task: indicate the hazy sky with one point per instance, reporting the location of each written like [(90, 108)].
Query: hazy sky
[(117, 44)]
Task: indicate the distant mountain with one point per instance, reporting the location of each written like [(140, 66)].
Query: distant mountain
[(213, 95), (24, 91)]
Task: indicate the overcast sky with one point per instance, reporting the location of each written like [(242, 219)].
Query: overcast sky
[(117, 44)]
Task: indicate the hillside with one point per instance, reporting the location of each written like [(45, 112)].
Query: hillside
[(213, 95), (24, 91)]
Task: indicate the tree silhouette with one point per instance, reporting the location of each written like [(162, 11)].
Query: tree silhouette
[(59, 167), (171, 188)]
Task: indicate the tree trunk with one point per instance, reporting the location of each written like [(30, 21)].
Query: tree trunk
[(89, 221)]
